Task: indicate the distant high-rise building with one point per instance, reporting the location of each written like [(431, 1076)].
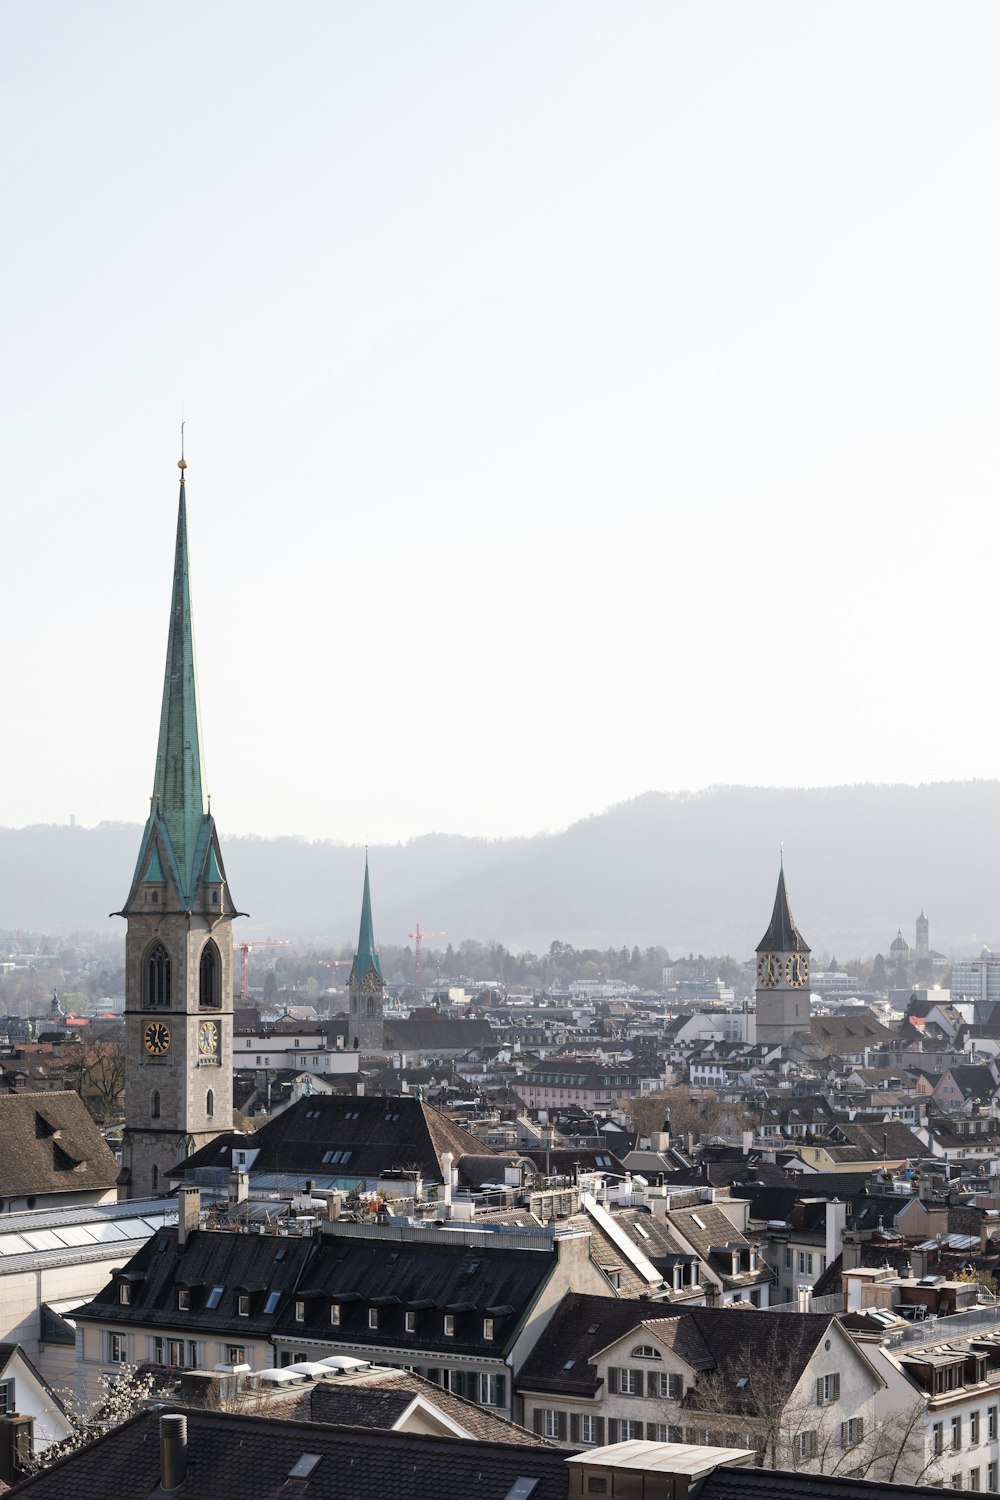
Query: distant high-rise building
[(782, 975), (179, 939), (366, 987), (923, 944)]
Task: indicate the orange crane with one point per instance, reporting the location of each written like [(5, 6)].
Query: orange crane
[(244, 952), (418, 938)]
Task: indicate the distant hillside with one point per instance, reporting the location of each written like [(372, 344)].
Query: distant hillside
[(691, 872)]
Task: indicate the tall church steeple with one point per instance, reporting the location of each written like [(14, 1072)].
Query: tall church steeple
[(179, 942), (366, 985), (783, 997)]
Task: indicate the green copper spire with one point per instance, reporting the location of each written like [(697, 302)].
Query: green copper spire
[(179, 843), (366, 958), (178, 785)]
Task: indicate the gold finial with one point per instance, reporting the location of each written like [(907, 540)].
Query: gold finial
[(181, 464)]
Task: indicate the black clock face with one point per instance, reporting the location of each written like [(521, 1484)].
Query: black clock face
[(157, 1038)]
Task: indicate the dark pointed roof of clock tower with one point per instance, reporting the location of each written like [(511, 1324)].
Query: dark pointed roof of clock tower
[(782, 936)]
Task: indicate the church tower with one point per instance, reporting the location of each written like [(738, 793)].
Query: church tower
[(782, 975), (179, 941), (366, 985)]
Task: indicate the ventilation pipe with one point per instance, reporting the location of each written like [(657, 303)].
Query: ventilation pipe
[(446, 1161), (173, 1451), (805, 1299)]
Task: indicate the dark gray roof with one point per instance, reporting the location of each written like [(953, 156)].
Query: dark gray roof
[(257, 1264), (379, 1134), (233, 1456), (782, 936), (379, 1398)]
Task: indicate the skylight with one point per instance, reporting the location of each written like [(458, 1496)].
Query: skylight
[(214, 1298), (273, 1298)]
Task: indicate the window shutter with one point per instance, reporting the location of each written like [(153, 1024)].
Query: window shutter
[(835, 1388), (819, 1391), (843, 1434), (574, 1427), (599, 1431), (860, 1426), (612, 1380), (561, 1425), (538, 1420), (612, 1429), (650, 1432)]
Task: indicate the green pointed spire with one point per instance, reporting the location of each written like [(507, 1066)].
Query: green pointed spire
[(179, 839), (178, 785), (366, 958)]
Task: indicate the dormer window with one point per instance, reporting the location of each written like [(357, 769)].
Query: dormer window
[(243, 1304), (487, 1328), (124, 1293), (183, 1299), (410, 1322), (449, 1325), (334, 1314), (373, 1317)]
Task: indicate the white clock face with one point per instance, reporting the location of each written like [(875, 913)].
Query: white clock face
[(208, 1037), (797, 971)]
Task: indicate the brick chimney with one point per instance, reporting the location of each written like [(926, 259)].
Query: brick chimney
[(188, 1213)]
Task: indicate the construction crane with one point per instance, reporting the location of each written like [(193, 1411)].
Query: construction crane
[(244, 952), (418, 938)]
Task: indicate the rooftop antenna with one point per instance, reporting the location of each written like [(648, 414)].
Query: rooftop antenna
[(181, 464)]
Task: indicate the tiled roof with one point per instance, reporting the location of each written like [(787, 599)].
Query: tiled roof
[(580, 1328), (378, 1134), (379, 1398), (51, 1145), (233, 1456)]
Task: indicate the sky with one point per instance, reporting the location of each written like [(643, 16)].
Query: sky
[(581, 399)]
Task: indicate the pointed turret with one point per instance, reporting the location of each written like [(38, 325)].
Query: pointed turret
[(782, 936), (179, 842), (366, 957)]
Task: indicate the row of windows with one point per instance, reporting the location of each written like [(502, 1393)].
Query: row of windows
[(409, 1320), (156, 977), (180, 1353), (955, 1433)]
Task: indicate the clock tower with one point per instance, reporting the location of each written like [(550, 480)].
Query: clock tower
[(179, 940), (366, 987), (782, 975)]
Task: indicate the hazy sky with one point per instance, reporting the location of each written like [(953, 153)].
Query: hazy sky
[(581, 399)]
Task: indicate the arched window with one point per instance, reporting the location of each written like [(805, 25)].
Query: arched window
[(156, 1177), (371, 1005), (157, 977), (209, 976), (210, 1103), (646, 1351), (154, 1106)]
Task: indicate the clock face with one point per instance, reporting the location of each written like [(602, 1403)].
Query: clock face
[(208, 1037), (797, 971), (157, 1038), (768, 971)]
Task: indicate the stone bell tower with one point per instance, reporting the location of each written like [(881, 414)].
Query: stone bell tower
[(179, 941), (782, 975)]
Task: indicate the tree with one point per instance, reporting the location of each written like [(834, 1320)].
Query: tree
[(122, 1395)]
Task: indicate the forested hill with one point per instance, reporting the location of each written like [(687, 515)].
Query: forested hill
[(694, 873)]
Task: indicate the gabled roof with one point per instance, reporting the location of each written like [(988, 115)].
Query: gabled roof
[(782, 936), (377, 1398), (52, 1145), (378, 1134)]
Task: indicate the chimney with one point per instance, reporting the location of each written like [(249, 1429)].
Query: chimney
[(446, 1161), (805, 1299), (918, 1262), (239, 1186), (173, 1451), (333, 1206), (188, 1213)]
